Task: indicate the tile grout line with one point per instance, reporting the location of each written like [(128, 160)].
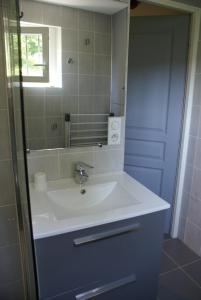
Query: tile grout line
[(191, 278), (181, 269), (181, 265), (165, 273), (172, 259), (188, 264)]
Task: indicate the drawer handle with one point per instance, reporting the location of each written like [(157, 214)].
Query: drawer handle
[(106, 288), (105, 235)]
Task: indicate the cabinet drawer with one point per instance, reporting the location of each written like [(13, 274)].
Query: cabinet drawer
[(68, 261), (121, 288)]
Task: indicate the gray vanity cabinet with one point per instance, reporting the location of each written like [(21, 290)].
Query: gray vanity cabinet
[(119, 260)]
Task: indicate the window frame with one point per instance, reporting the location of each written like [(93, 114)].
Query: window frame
[(44, 31)]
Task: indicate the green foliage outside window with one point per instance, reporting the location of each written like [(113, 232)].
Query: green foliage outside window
[(32, 54)]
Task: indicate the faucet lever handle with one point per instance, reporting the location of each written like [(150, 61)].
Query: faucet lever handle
[(81, 164)]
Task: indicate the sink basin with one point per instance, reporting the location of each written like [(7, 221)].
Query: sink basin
[(98, 198), (108, 198)]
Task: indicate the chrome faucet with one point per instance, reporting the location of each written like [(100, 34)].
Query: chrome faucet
[(80, 173)]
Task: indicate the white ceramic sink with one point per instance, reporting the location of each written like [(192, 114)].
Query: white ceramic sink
[(97, 198), (108, 198)]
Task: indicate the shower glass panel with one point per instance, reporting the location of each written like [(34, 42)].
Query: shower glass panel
[(10, 18)]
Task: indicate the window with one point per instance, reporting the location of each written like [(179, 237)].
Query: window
[(35, 54)]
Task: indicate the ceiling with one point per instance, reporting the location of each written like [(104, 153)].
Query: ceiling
[(102, 6)]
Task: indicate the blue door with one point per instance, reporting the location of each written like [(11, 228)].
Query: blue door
[(156, 90)]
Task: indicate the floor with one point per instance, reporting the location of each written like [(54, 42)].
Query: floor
[(180, 277)]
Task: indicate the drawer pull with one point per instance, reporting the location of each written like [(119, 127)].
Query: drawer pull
[(106, 288), (106, 234)]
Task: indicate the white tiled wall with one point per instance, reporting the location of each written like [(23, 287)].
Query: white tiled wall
[(86, 82), (119, 61), (190, 220), (60, 163)]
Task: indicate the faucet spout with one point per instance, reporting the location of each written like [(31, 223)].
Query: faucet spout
[(80, 174)]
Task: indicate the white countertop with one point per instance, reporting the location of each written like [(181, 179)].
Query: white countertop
[(45, 223)]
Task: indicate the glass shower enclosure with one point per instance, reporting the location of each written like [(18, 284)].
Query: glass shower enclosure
[(11, 65)]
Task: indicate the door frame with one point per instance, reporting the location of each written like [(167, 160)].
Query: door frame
[(195, 13)]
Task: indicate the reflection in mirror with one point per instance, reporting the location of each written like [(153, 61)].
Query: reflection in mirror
[(73, 64)]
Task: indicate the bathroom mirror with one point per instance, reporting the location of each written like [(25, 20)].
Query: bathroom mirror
[(74, 58)]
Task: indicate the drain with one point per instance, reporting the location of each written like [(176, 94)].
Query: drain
[(82, 191)]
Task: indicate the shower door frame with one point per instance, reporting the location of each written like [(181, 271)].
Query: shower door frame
[(28, 258)]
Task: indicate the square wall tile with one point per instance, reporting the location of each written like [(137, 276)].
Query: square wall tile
[(116, 108), (69, 40), (86, 20), (197, 90), (85, 85), (3, 89), (53, 91), (53, 106), (195, 120), (12, 291), (34, 106), (69, 104), (86, 104), (102, 44), (182, 226), (36, 144), (86, 63), (198, 70), (67, 162), (196, 186), (69, 62), (185, 204), (6, 183), (54, 127), (35, 127), (5, 151), (191, 150), (108, 161), (188, 178), (102, 23), (33, 11), (69, 17), (10, 264), (101, 104), (47, 164), (194, 212), (197, 150), (102, 85), (192, 237), (8, 225), (86, 41), (57, 142), (34, 91), (102, 65), (52, 14), (70, 85)]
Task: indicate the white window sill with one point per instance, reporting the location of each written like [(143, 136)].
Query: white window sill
[(40, 84)]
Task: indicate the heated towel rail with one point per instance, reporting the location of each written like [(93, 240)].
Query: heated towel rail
[(86, 129)]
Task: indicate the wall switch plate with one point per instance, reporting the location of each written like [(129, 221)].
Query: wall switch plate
[(114, 130)]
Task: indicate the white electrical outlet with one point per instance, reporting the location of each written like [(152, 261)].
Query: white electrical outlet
[(114, 130)]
